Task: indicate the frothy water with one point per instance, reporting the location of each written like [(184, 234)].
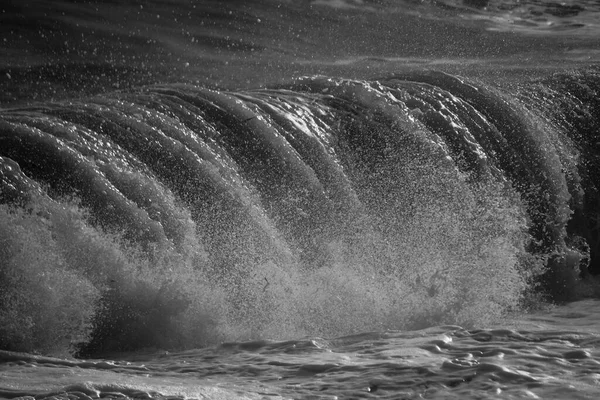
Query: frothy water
[(234, 207), (531, 357)]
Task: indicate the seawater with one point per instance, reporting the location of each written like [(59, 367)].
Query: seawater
[(321, 199), (549, 355)]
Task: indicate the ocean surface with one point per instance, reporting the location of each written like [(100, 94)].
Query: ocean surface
[(315, 199)]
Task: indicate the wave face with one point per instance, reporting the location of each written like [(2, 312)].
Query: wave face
[(179, 216)]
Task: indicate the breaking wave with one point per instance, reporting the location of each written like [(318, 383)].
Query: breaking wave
[(176, 216)]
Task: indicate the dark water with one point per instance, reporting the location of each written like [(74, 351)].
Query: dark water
[(315, 199)]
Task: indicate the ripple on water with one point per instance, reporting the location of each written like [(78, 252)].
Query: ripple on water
[(549, 362)]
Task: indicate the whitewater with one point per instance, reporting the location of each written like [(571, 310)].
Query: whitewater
[(299, 200)]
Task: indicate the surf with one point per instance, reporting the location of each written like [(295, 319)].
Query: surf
[(175, 216)]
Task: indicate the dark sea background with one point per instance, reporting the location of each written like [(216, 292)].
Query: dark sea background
[(328, 199)]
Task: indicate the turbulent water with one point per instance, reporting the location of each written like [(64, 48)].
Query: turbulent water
[(313, 199), (535, 357)]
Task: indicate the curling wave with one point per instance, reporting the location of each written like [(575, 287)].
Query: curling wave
[(178, 216)]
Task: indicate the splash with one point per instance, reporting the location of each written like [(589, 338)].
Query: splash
[(175, 216)]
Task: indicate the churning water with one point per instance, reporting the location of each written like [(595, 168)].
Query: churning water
[(315, 199)]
